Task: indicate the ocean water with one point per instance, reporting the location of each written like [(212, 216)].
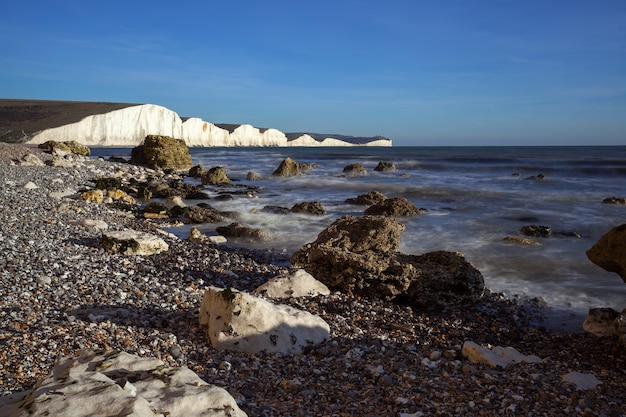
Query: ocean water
[(474, 197)]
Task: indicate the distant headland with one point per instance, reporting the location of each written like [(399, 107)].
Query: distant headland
[(127, 124)]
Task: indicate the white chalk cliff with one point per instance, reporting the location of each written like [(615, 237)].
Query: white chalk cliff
[(129, 127)]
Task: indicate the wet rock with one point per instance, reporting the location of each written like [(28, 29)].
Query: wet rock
[(215, 176), (521, 240), (276, 210), (297, 284), (355, 169), (163, 152), (609, 252), (614, 200), (385, 166), (536, 231), (243, 233), (253, 176), (123, 385), (359, 255), (309, 207), (538, 177), (197, 236), (196, 171), (371, 198), (132, 242), (241, 322), (398, 206), (288, 168), (198, 214), (497, 356)]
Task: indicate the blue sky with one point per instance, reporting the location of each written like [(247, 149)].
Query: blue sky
[(458, 72)]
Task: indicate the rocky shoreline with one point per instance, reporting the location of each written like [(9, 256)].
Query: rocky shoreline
[(62, 293)]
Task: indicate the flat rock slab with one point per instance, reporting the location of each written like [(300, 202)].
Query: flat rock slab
[(498, 356), (119, 384), (245, 323), (132, 242)]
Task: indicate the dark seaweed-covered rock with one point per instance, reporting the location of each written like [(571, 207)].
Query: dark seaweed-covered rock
[(536, 231)]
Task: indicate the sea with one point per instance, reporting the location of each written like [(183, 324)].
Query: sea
[(474, 197)]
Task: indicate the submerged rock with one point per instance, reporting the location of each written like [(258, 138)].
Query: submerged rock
[(309, 207), (398, 206), (355, 169), (385, 166), (536, 231)]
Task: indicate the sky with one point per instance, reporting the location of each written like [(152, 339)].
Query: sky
[(431, 73)]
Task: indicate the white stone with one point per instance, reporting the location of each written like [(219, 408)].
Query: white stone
[(132, 242), (92, 383), (218, 239), (498, 356), (30, 185), (297, 284), (241, 322), (582, 381)]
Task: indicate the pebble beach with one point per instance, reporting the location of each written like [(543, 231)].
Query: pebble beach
[(62, 293)]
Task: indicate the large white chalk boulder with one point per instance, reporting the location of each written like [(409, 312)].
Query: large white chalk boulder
[(119, 384), (242, 322), (497, 356), (297, 284)]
